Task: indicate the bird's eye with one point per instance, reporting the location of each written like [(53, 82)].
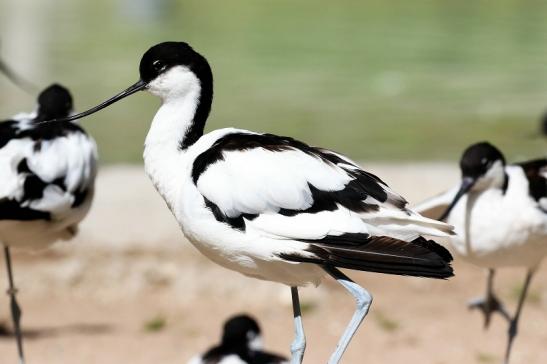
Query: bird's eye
[(158, 65)]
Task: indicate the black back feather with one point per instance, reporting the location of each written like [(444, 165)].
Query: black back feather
[(537, 184)]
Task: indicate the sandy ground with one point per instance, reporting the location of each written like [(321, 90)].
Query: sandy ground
[(129, 289)]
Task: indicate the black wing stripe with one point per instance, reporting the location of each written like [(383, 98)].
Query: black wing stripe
[(12, 210), (237, 223), (50, 131), (382, 254), (242, 141), (352, 196), (34, 186), (537, 183)]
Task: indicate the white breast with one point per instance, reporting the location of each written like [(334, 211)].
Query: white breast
[(496, 229)]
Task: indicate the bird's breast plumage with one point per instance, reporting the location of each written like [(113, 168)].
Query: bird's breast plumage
[(501, 228)]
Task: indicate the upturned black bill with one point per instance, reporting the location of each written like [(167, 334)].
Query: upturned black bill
[(138, 86), (467, 183)]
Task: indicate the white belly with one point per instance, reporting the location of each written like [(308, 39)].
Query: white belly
[(247, 253), (39, 234), (250, 254)]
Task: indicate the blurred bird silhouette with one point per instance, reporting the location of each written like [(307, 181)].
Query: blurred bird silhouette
[(499, 212), (48, 174), (241, 343)]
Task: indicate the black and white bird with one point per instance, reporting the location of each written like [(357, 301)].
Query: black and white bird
[(269, 206), (48, 172), (241, 343), (500, 215)]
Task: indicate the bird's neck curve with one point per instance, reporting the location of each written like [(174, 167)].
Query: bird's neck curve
[(177, 125)]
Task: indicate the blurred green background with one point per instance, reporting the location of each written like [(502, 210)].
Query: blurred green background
[(378, 80)]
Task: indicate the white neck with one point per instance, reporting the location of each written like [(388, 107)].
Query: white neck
[(470, 200), (163, 158)]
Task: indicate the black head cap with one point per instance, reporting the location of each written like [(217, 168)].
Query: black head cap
[(478, 158), (237, 329), (54, 102), (161, 57)]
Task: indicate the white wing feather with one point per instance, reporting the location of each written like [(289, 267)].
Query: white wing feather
[(261, 182), (71, 158)]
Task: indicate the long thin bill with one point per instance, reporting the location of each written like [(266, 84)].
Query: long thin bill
[(138, 86), (465, 186)]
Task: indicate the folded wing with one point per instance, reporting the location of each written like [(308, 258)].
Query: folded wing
[(283, 189), (46, 172)]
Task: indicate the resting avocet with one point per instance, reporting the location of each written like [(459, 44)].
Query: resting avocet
[(269, 206), (47, 171), (241, 343), (500, 215)]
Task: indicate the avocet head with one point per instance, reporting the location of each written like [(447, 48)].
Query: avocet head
[(168, 70), (242, 331), (173, 69), (483, 167), (54, 102)]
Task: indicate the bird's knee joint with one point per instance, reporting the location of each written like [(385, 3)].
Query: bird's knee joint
[(298, 345), (364, 299)]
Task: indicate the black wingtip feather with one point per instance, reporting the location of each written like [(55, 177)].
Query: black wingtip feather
[(380, 254), (434, 247)]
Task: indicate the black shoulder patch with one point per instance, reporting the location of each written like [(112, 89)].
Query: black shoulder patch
[(352, 196), (50, 130), (22, 167), (79, 198), (8, 131), (38, 133), (536, 182), (33, 188), (243, 141)]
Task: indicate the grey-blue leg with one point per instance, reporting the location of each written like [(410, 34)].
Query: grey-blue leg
[(363, 300), (489, 303), (299, 344), (15, 310), (513, 325)]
